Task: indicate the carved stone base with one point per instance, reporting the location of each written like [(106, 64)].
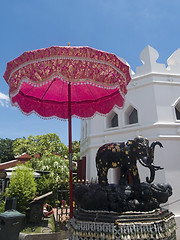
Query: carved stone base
[(141, 197), (157, 224)]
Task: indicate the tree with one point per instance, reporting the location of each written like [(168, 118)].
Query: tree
[(56, 165), (43, 145), (6, 150), (58, 174), (75, 150), (52, 157), (22, 185)]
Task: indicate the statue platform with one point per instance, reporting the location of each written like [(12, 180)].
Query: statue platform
[(156, 224)]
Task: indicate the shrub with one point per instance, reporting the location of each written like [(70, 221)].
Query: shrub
[(2, 206), (22, 185)]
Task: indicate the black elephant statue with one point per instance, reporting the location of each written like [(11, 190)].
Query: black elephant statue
[(125, 156)]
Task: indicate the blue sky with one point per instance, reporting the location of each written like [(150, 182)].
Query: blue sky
[(123, 27)]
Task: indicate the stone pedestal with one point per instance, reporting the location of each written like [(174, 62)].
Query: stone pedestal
[(156, 224)]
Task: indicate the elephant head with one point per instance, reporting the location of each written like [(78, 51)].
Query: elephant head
[(146, 156), (139, 148)]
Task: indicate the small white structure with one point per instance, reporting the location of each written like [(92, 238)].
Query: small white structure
[(152, 110)]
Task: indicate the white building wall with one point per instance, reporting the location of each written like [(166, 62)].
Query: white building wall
[(153, 92)]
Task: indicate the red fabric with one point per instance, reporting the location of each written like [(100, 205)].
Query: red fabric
[(38, 81)]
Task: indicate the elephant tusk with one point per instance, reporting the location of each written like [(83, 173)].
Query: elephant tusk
[(156, 168), (152, 169), (143, 163)]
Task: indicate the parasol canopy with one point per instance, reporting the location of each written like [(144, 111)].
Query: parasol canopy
[(38, 81), (67, 81)]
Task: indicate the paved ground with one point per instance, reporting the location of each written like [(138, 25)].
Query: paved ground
[(43, 236), (46, 232)]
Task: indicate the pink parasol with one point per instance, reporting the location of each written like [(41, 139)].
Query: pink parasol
[(64, 82)]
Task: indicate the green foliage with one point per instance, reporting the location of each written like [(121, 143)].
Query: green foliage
[(6, 150), (28, 230), (53, 224), (45, 184), (58, 171), (43, 145), (57, 165), (2, 206), (52, 157), (75, 150), (22, 185), (20, 146)]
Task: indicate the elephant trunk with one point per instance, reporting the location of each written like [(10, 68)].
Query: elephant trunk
[(152, 174), (151, 151), (148, 162)]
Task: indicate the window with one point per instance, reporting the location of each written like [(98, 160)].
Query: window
[(112, 120), (131, 116), (177, 110)]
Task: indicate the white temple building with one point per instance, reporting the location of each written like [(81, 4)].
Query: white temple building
[(152, 110)]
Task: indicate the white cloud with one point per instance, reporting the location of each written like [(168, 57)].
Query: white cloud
[(4, 100)]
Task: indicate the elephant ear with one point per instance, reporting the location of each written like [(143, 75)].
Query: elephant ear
[(140, 141), (130, 143)]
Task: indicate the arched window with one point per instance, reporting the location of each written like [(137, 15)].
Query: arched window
[(177, 110), (112, 120), (131, 116)]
